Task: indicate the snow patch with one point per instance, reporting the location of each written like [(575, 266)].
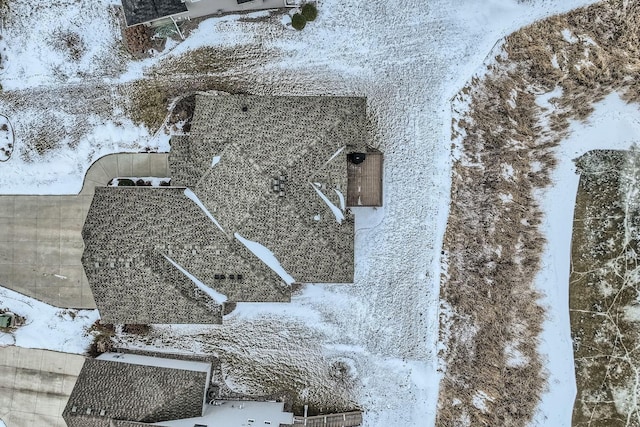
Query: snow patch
[(335, 154), (480, 399), (191, 195), (48, 327), (507, 171), (267, 257), (341, 197), (515, 358), (336, 211), (623, 400), (568, 36), (506, 198), (215, 295), (632, 314)]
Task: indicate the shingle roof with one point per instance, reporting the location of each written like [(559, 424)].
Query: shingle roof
[(259, 138), (301, 143), (128, 233), (141, 11), (131, 392)]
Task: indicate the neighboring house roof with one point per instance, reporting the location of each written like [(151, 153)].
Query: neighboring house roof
[(151, 254), (141, 11), (137, 389)]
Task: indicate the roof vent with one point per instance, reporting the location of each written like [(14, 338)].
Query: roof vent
[(245, 108), (357, 158), (74, 409)]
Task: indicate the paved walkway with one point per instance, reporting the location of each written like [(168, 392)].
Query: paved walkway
[(35, 385), (40, 236)]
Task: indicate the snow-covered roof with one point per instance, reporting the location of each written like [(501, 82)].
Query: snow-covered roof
[(234, 413), (160, 362)]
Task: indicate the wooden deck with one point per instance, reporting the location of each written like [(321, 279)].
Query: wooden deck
[(364, 185), (347, 419)]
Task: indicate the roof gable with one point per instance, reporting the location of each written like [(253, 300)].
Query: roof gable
[(107, 390)]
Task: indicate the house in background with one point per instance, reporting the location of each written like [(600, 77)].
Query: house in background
[(158, 12), (127, 390), (256, 203)]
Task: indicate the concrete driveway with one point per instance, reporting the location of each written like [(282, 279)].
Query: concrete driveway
[(40, 236), (35, 385)]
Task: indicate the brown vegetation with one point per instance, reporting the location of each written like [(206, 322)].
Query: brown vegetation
[(102, 338), (69, 42), (137, 329), (493, 246), (150, 101), (137, 39)]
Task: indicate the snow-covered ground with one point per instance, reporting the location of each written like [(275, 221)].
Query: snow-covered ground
[(408, 58), (47, 327)]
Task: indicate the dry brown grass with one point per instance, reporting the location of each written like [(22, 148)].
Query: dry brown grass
[(150, 100), (493, 246)]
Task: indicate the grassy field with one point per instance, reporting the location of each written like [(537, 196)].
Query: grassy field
[(604, 293)]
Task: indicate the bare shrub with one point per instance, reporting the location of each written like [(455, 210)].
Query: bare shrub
[(102, 338), (69, 42)]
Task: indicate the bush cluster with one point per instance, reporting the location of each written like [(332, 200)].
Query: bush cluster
[(309, 12)]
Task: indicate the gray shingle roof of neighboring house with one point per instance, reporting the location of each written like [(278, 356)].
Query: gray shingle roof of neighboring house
[(141, 11), (238, 150), (108, 392)]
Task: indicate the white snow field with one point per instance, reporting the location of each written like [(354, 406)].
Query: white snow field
[(408, 58), (45, 326)]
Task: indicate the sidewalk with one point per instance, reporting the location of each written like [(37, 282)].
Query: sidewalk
[(40, 236)]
